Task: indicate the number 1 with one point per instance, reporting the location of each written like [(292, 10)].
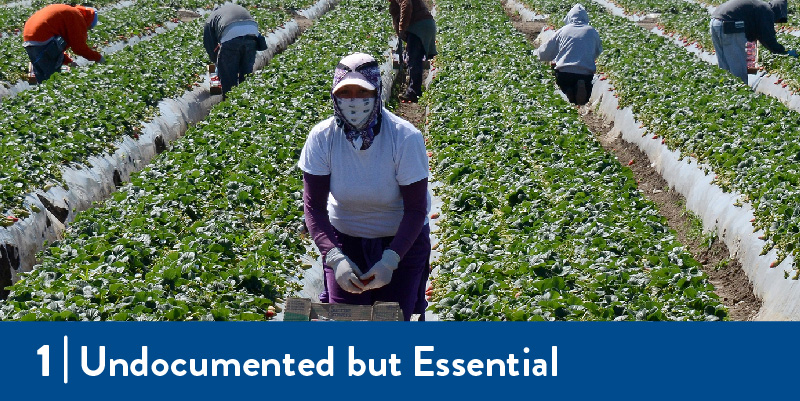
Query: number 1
[(44, 351)]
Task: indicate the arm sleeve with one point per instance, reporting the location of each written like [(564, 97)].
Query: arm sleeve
[(406, 8), (415, 206), (315, 205), (411, 160), (315, 156), (210, 42), (599, 45), (766, 35), (548, 51), (76, 38), (394, 10)]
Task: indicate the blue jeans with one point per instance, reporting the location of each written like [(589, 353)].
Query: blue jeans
[(235, 59), (731, 49), (46, 59)]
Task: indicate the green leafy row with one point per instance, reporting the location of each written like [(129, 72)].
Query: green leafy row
[(71, 117), (211, 230), (123, 23), (749, 140), (115, 24), (541, 223), (13, 18)]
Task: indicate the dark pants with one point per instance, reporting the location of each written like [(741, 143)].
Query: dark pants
[(46, 59), (416, 51), (408, 282), (568, 81), (235, 59)]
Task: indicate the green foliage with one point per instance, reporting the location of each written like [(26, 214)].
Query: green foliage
[(541, 223), (211, 230), (749, 141), (85, 113)]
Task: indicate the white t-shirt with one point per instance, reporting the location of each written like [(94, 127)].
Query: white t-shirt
[(365, 199)]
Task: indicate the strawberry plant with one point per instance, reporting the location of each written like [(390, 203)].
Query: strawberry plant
[(111, 101), (116, 24), (748, 140), (13, 17), (690, 22), (211, 230), (541, 223)]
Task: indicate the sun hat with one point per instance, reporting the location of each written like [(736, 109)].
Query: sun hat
[(357, 69)]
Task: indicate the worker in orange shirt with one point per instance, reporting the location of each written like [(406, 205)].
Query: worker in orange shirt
[(52, 30)]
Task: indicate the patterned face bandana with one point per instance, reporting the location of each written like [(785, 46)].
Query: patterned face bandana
[(358, 117), (356, 111)]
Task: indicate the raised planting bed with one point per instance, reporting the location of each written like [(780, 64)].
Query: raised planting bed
[(212, 229), (541, 223)]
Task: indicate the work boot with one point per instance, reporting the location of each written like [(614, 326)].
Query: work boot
[(581, 94), (408, 98)]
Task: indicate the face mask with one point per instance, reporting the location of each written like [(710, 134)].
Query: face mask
[(356, 111)]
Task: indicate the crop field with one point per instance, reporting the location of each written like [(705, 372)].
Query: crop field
[(538, 220)]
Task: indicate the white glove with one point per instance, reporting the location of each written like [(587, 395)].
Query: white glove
[(381, 272), (345, 271)]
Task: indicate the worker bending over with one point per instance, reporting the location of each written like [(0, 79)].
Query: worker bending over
[(737, 22), (231, 39), (54, 29)]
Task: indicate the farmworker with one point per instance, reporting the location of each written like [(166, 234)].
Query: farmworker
[(415, 26), (574, 48), (366, 201), (52, 30), (737, 22), (231, 39)]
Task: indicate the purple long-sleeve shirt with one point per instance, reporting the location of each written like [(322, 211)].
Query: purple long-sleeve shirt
[(315, 202)]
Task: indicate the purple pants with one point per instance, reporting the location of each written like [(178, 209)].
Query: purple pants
[(408, 282)]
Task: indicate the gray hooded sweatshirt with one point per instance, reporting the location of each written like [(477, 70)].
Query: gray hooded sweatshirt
[(575, 46)]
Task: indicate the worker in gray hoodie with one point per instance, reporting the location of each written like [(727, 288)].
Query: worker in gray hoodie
[(737, 22), (574, 49)]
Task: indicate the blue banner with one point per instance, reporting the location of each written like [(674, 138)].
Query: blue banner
[(398, 360)]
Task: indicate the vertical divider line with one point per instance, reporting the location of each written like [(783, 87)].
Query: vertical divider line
[(66, 358)]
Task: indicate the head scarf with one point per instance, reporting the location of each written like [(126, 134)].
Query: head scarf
[(358, 69)]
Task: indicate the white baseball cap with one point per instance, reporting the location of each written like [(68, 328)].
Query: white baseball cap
[(353, 77)]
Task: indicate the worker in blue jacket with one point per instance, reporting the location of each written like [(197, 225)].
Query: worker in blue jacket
[(737, 22)]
